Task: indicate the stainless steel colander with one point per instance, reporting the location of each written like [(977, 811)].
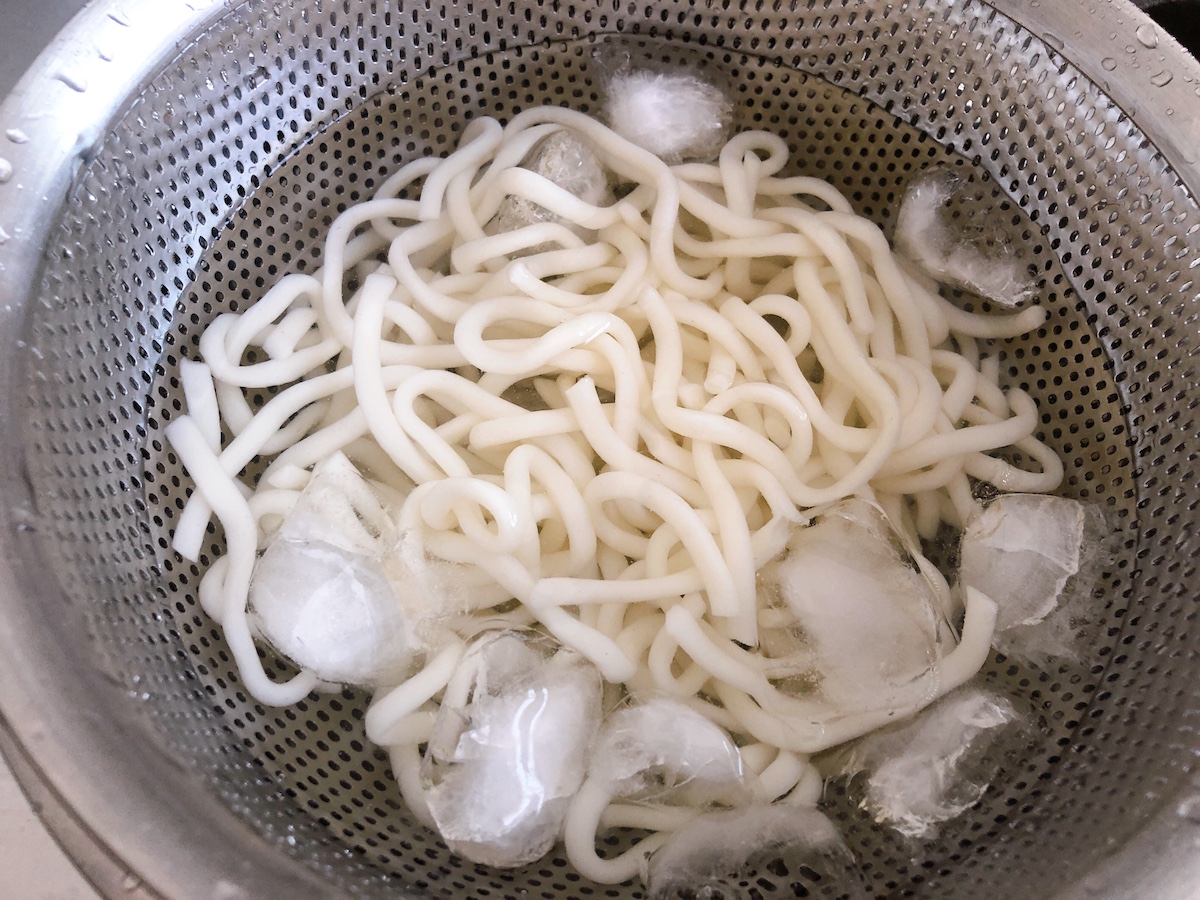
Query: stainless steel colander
[(165, 162)]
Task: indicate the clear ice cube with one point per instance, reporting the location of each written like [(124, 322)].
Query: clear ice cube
[(662, 750), (1020, 551), (568, 162), (501, 768), (1038, 558), (337, 507), (932, 767)]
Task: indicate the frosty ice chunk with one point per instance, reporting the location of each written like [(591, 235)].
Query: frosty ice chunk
[(502, 766), (662, 749), (929, 769), (319, 594), (955, 254), (1036, 557), (724, 843), (677, 112), (568, 162), (866, 620)]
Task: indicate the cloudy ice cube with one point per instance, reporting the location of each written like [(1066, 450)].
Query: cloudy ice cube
[(661, 749), (716, 845), (955, 254), (330, 610), (500, 769), (930, 768), (1038, 558), (319, 594), (865, 615), (568, 162)]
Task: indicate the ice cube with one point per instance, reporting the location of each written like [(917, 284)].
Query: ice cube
[(1037, 557), (864, 614), (676, 114), (337, 507), (1020, 551), (330, 610), (932, 767), (661, 749), (568, 162), (959, 255), (319, 594), (501, 768), (430, 588), (716, 845)]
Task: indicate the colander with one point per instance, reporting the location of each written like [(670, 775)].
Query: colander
[(166, 161)]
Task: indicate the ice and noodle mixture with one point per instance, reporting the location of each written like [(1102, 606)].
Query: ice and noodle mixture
[(610, 458)]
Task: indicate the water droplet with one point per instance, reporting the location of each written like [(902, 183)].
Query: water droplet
[(1161, 79), (5, 170), (1147, 34), (1108, 63), (72, 80), (4, 236), (1190, 809), (16, 135), (131, 882)]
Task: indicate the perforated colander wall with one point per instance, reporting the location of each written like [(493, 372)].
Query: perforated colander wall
[(226, 174)]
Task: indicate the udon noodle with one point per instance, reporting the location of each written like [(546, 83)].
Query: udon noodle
[(614, 417)]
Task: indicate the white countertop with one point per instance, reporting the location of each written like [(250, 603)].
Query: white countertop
[(31, 864)]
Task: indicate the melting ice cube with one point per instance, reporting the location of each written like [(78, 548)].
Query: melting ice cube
[(931, 768), (319, 594), (501, 768), (719, 844), (568, 162), (863, 613), (661, 749), (1020, 551), (958, 255), (1037, 558)]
